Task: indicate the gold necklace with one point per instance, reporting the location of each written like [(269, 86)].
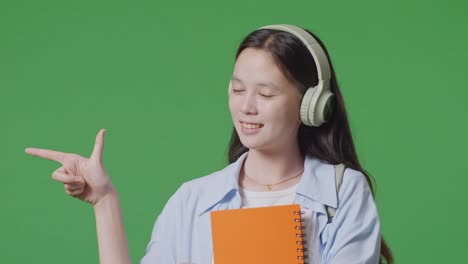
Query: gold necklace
[(271, 185)]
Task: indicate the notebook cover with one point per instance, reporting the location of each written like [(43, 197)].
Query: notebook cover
[(257, 235)]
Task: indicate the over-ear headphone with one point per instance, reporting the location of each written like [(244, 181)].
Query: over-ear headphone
[(318, 101)]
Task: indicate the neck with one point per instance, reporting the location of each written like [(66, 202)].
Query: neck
[(270, 167)]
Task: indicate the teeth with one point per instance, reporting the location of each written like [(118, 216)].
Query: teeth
[(251, 126)]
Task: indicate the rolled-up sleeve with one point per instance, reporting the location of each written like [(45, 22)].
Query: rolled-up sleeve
[(354, 234)]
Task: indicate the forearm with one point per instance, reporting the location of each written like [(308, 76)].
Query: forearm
[(112, 242)]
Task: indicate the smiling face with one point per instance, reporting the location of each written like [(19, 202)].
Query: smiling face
[(264, 104)]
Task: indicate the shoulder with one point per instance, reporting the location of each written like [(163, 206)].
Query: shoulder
[(201, 193), (350, 176), (202, 184), (354, 180), (204, 192)]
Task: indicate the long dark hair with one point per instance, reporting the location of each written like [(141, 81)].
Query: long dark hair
[(332, 142)]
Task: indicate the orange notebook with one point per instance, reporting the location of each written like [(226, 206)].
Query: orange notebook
[(258, 235)]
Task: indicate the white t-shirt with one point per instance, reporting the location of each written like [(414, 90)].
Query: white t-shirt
[(282, 197)]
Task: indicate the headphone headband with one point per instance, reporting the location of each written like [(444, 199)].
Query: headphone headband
[(323, 67)]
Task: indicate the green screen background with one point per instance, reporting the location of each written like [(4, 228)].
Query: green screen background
[(155, 75)]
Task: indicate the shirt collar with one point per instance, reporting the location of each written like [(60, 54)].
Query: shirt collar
[(315, 184)]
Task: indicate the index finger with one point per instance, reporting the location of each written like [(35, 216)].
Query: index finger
[(47, 154)]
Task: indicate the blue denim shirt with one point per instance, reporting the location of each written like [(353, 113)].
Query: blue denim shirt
[(182, 231)]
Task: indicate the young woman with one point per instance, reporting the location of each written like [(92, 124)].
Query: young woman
[(285, 141)]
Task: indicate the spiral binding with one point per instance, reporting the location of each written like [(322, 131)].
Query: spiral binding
[(302, 251)]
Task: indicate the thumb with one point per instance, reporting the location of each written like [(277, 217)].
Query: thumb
[(98, 146)]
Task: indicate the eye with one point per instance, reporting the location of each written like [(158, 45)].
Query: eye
[(267, 96), (237, 91)]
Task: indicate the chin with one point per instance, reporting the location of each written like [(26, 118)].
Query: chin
[(257, 142), (261, 144), (249, 143), (253, 144)]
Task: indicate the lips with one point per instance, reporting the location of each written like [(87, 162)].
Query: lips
[(249, 125)]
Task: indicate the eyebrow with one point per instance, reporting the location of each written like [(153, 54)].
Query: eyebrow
[(270, 84)]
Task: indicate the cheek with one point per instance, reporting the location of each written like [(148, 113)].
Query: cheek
[(284, 113), (234, 106)]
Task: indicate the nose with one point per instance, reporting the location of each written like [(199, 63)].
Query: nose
[(249, 105)]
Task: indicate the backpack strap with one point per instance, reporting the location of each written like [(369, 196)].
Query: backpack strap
[(339, 171)]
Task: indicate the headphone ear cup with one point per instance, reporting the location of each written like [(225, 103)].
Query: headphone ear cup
[(325, 106), (307, 107), (317, 104)]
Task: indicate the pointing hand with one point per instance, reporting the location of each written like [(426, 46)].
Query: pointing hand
[(83, 178)]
